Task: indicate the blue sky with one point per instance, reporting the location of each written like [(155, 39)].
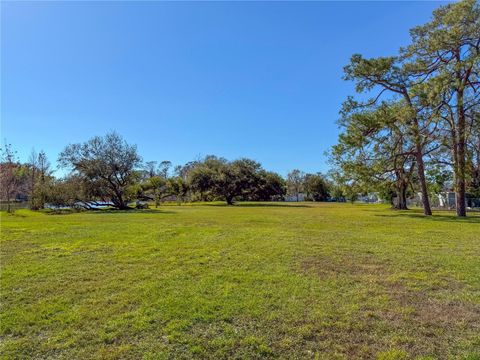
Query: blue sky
[(182, 80)]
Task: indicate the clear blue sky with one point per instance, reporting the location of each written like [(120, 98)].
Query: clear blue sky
[(182, 80)]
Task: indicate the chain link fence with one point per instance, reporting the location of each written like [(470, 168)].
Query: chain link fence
[(444, 201), (14, 205)]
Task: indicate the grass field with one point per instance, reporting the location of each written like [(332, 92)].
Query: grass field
[(249, 281)]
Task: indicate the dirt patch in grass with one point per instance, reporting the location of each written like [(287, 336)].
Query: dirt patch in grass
[(423, 317), (434, 325), (360, 265)]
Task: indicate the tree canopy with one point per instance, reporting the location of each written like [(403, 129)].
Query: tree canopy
[(108, 163)]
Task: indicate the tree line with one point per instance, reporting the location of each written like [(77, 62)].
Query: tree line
[(416, 120), (412, 128), (108, 170)]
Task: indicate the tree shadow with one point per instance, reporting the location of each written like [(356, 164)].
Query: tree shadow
[(472, 218), (271, 205), (253, 204), (133, 211), (111, 211)]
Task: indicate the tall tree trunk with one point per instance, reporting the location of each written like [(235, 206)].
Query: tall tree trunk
[(33, 205), (42, 190), (123, 205), (229, 199), (9, 196), (118, 201), (423, 182), (419, 158), (421, 170), (401, 196), (460, 187)]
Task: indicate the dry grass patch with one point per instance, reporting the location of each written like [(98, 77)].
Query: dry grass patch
[(423, 317)]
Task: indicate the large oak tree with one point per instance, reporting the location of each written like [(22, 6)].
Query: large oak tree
[(108, 163)]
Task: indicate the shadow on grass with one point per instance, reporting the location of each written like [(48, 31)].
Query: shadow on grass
[(112, 211), (271, 205), (248, 204), (471, 218), (133, 211)]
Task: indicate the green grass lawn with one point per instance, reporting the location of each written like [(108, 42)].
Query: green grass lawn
[(249, 281)]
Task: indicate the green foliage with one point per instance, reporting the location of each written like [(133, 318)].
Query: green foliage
[(72, 191), (40, 179), (434, 83), (177, 187), (295, 183), (316, 187), (157, 186), (445, 56), (107, 164), (439, 179), (243, 179), (270, 186), (384, 141)]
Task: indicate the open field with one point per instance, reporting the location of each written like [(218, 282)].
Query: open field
[(249, 281)]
